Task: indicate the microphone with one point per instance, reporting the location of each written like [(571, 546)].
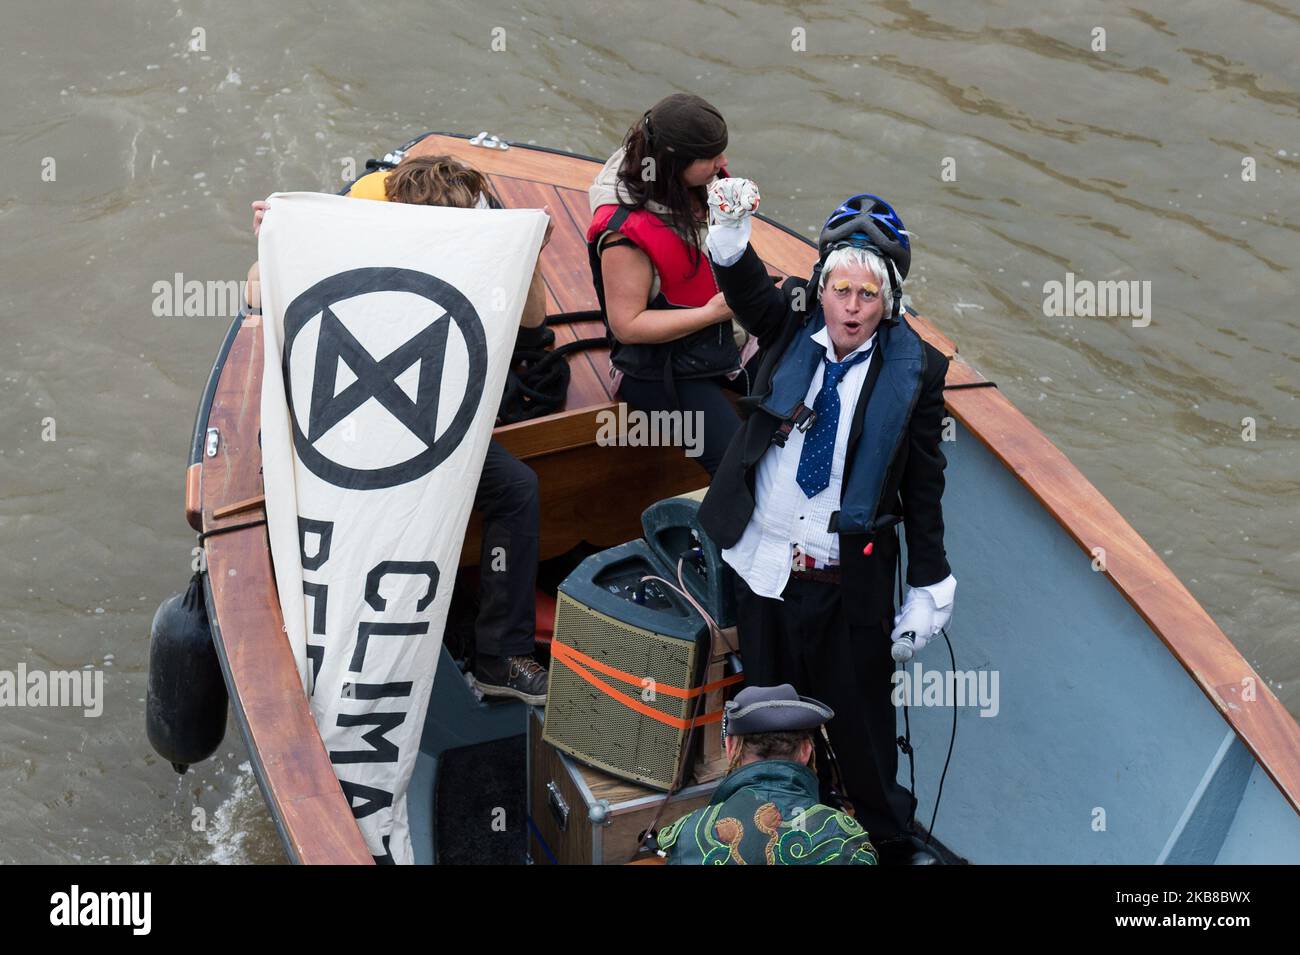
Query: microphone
[(903, 647)]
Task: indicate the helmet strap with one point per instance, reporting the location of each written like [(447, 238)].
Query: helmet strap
[(896, 287)]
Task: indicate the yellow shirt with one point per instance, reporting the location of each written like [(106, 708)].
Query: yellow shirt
[(370, 186)]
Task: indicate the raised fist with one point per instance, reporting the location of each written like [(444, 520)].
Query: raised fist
[(732, 200)]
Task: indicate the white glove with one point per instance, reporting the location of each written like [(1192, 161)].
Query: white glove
[(926, 611), (731, 203)]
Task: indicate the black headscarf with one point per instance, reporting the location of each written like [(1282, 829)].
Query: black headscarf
[(685, 125)]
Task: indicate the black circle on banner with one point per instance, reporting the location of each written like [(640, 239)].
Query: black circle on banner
[(377, 378)]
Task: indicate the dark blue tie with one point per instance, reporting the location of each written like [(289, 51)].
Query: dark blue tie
[(814, 474)]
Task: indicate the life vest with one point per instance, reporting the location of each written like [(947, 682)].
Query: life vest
[(685, 281)]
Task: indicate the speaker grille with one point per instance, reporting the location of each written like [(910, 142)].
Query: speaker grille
[(587, 723)]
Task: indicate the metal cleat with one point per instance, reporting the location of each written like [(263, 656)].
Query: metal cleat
[(488, 141)]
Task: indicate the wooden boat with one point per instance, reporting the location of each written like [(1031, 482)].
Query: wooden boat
[(1130, 730)]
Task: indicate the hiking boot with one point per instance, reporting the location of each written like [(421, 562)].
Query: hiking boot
[(522, 678)]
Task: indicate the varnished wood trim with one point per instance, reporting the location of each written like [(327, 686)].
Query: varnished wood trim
[(518, 162), (194, 496), (562, 431), (239, 506)]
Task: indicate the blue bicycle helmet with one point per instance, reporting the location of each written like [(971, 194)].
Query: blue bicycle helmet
[(869, 222)]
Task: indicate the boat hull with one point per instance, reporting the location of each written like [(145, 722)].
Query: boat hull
[(1128, 727)]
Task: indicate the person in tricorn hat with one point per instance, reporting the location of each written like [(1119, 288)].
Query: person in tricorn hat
[(765, 811)]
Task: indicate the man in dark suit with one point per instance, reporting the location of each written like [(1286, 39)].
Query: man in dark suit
[(841, 443)]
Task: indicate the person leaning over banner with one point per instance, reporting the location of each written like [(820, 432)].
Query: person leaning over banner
[(507, 496), (842, 443), (434, 181), (766, 810)]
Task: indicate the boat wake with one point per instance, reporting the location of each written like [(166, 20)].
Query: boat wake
[(240, 831)]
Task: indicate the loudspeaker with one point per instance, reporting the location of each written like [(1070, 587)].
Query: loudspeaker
[(623, 657), (672, 529)]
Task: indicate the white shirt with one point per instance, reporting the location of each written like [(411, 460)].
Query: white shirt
[(783, 515)]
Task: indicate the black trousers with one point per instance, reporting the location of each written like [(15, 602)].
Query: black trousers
[(507, 500), (706, 397), (804, 640)]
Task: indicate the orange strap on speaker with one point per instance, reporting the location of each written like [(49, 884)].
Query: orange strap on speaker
[(576, 661), (632, 678)]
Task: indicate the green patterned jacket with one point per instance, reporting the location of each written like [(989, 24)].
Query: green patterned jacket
[(767, 813)]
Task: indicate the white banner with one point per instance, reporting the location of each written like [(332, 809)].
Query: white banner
[(388, 329)]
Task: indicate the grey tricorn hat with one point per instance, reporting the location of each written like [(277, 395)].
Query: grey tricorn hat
[(772, 709)]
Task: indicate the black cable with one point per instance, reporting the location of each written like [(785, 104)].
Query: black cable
[(951, 742), (679, 778), (585, 315), (542, 387), (905, 744), (203, 537), (905, 741)]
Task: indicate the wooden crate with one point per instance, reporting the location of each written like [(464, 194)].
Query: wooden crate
[(562, 794)]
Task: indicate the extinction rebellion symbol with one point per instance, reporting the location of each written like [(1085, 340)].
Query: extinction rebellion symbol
[(377, 378)]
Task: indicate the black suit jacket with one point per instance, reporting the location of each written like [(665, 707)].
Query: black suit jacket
[(914, 482)]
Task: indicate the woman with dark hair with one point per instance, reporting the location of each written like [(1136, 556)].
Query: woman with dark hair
[(672, 344)]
